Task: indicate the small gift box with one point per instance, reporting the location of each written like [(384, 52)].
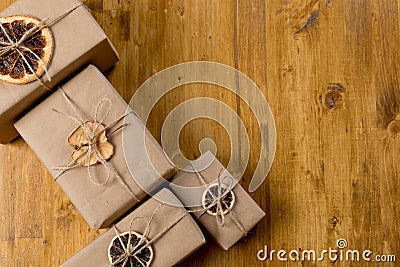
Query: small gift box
[(77, 134), (155, 235), (43, 42), (221, 205)]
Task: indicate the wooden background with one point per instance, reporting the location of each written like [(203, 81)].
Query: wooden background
[(330, 71)]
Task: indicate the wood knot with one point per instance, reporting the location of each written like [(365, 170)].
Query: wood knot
[(333, 99), (327, 2), (288, 69), (181, 10), (311, 21), (334, 96), (394, 127), (334, 221)]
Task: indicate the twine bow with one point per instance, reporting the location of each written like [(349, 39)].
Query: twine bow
[(218, 201), (92, 135), (17, 46), (131, 251)]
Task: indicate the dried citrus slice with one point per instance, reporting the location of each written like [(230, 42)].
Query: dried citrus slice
[(211, 194), (79, 140), (13, 67), (116, 251)]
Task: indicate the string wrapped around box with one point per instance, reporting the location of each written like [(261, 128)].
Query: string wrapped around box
[(92, 145)]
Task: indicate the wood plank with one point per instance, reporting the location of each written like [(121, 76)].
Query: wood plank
[(7, 253), (28, 246), (29, 192), (7, 193)]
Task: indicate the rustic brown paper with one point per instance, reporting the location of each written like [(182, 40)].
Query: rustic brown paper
[(46, 132), (246, 209), (79, 41), (175, 245)]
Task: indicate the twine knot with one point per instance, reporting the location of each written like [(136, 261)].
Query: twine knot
[(93, 132), (19, 47), (16, 45), (219, 204), (131, 252), (218, 200)]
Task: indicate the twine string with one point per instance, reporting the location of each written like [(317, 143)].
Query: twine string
[(91, 135), (19, 47), (131, 251), (218, 201)]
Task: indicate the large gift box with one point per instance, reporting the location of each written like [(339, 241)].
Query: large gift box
[(77, 134), (213, 195), (65, 39), (155, 234)]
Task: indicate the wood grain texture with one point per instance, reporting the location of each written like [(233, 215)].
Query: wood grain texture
[(330, 71)]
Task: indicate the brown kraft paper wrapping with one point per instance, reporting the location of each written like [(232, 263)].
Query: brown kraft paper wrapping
[(46, 132), (171, 248), (75, 47), (245, 209)]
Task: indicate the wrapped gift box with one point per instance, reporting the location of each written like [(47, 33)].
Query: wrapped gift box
[(78, 42), (242, 212), (173, 235), (56, 140)]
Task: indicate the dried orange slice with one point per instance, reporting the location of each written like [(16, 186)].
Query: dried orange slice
[(211, 194), (79, 140), (13, 67), (116, 251)]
